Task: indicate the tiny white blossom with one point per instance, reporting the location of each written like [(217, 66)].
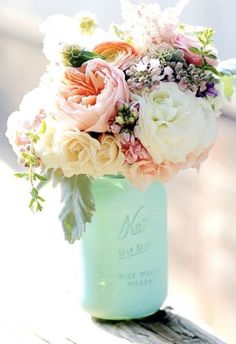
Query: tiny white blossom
[(141, 67), (154, 63), (147, 23)]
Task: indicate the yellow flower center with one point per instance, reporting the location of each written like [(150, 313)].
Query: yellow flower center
[(87, 25)]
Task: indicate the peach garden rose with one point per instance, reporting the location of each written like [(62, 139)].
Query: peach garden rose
[(88, 95)]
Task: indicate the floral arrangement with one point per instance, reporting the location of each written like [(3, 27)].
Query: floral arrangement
[(141, 100)]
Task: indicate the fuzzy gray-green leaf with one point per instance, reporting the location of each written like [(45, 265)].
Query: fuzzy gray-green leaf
[(78, 206)]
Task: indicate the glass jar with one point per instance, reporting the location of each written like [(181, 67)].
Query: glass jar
[(124, 251)]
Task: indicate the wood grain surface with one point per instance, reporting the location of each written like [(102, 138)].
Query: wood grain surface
[(162, 327)]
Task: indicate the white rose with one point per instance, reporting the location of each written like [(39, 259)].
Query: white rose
[(173, 123)]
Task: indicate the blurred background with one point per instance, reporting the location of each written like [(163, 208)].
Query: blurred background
[(39, 271)]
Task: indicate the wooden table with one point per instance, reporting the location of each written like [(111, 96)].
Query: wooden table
[(162, 327)]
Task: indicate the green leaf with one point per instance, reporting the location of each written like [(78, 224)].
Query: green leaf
[(30, 158), (41, 199), (43, 128), (31, 204), (205, 36), (33, 136), (44, 178), (212, 69), (212, 56), (34, 193), (78, 206), (85, 56), (21, 175), (196, 51), (41, 177), (39, 207)]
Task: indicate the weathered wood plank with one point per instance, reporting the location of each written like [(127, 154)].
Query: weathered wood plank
[(162, 327)]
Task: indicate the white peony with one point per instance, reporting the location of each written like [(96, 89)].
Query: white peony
[(174, 123), (217, 103)]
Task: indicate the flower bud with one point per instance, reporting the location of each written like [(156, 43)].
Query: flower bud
[(119, 120)]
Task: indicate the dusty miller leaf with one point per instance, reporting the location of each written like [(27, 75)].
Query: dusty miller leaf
[(78, 206)]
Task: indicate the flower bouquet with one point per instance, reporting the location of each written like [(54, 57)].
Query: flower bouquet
[(141, 100)]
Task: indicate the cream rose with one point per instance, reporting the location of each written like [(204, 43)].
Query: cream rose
[(173, 123), (73, 151), (88, 95), (110, 157), (76, 152)]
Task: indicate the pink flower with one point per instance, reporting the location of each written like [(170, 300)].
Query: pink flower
[(144, 172), (194, 159), (88, 95), (28, 118), (133, 149), (184, 42), (115, 128)]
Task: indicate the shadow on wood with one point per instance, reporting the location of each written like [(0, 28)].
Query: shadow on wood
[(161, 327)]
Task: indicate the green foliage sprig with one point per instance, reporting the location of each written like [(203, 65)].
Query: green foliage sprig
[(31, 162), (205, 37)]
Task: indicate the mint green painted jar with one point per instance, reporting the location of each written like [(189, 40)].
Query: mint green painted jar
[(124, 251)]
